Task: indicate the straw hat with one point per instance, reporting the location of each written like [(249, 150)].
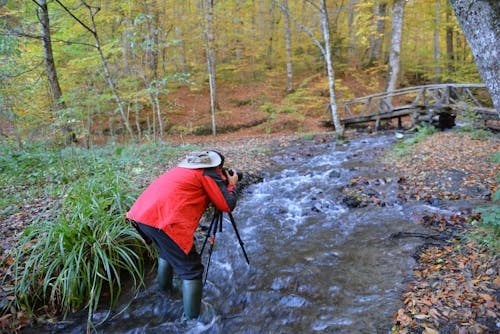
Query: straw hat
[(201, 159)]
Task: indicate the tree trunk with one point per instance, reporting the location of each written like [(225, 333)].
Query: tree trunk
[(377, 39), (350, 26), (48, 56), (437, 51), (449, 41), (479, 21), (261, 19), (288, 45), (207, 7), (50, 68), (238, 23), (325, 49), (155, 31), (397, 29), (179, 15), (325, 28), (269, 53)]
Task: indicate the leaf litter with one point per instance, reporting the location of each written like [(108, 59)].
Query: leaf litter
[(455, 285)]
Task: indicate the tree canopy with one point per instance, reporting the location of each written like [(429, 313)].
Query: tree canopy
[(118, 62)]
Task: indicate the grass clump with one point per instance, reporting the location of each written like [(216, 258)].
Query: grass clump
[(81, 248)]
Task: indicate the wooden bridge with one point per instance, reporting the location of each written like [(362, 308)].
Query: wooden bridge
[(432, 104)]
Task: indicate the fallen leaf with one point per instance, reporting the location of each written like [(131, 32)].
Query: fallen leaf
[(429, 330)]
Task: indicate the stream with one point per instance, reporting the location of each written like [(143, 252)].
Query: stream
[(316, 265)]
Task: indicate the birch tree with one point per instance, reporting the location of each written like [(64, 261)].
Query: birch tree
[(93, 11), (269, 53), (397, 29), (288, 46), (207, 14), (376, 39), (325, 48), (180, 16), (449, 41), (350, 26), (479, 21), (437, 50)]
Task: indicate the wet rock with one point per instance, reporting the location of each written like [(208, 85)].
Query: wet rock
[(434, 201), (478, 192), (316, 208), (370, 192), (320, 206), (352, 201), (334, 174)]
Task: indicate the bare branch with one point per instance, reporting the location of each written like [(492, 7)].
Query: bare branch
[(314, 4), (11, 33), (76, 18), (36, 3), (307, 30), (24, 72)]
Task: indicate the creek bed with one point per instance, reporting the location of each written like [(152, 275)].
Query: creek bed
[(316, 264)]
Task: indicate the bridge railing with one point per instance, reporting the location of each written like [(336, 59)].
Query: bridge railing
[(411, 98)]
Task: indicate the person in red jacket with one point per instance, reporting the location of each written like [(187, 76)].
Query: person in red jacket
[(168, 213)]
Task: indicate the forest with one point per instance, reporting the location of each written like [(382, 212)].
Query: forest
[(142, 69), (99, 97)]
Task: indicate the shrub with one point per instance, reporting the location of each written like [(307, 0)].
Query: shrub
[(68, 262)]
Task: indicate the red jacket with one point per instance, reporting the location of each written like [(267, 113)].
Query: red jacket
[(176, 200)]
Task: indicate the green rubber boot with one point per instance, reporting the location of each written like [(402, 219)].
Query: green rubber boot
[(165, 275), (191, 297)]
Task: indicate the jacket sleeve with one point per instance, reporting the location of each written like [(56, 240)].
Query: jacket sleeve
[(222, 195)]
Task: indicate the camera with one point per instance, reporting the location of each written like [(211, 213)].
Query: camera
[(231, 172)]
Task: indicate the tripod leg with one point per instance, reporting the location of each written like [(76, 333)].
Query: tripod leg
[(210, 229), (238, 236)]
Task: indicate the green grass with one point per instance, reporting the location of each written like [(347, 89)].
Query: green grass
[(488, 226), (487, 232), (81, 248), (476, 134), (405, 147)]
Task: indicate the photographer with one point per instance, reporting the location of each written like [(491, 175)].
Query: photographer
[(168, 212)]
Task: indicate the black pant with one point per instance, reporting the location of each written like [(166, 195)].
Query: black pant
[(186, 266)]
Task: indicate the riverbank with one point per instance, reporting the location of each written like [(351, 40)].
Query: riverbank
[(454, 287)]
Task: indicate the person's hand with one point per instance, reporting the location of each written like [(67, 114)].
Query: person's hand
[(232, 179)]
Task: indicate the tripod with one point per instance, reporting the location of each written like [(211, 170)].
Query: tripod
[(215, 225)]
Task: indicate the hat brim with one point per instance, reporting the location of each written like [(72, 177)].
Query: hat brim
[(191, 163)]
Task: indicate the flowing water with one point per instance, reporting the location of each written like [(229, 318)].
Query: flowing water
[(316, 265)]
